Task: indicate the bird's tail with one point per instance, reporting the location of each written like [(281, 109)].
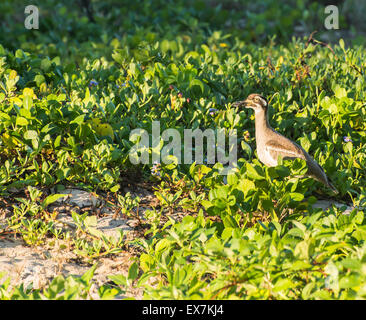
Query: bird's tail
[(332, 187), (325, 180)]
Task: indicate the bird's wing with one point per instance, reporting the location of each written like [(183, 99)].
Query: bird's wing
[(274, 149)]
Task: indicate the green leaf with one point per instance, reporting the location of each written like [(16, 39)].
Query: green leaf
[(57, 141), (341, 43), (19, 54), (295, 196), (348, 147), (283, 285), (197, 82), (31, 135), (206, 204), (119, 56), (282, 171), (229, 222), (107, 293), (146, 262), (118, 279), (95, 232), (115, 188), (165, 45), (90, 221), (162, 245), (79, 119), (305, 143), (352, 264), (267, 204), (88, 275), (232, 178), (350, 281), (302, 250), (299, 225), (231, 200), (46, 64), (247, 149), (133, 271), (52, 198), (21, 121), (25, 113), (246, 185), (39, 79), (306, 291), (253, 173), (222, 192), (27, 102), (220, 203), (340, 92)]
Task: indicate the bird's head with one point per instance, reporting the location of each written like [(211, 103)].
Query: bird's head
[(254, 101)]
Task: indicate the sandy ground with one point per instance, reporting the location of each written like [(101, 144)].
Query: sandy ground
[(39, 265)]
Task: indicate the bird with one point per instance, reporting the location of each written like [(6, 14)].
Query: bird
[(271, 144)]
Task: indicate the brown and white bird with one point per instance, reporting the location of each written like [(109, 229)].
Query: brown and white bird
[(271, 144)]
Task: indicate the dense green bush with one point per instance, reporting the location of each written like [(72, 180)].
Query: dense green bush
[(72, 91)]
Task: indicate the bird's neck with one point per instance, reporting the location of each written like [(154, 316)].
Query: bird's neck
[(262, 126)]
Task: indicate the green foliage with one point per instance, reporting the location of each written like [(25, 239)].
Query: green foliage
[(95, 243), (71, 288), (321, 256), (72, 91)]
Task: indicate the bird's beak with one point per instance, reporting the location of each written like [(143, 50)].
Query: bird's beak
[(241, 104)]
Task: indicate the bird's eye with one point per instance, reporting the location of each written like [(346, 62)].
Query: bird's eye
[(256, 99)]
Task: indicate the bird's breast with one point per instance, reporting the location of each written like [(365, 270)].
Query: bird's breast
[(265, 156)]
